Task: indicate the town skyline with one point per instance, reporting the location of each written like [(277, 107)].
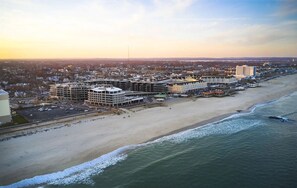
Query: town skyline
[(147, 29)]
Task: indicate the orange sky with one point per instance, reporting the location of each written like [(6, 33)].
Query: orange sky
[(152, 28)]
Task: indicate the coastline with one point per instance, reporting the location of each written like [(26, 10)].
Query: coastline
[(196, 125), (216, 119), (24, 160)]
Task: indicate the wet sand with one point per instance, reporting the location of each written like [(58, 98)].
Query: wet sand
[(57, 149)]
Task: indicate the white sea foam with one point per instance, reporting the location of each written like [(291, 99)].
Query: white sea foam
[(231, 126), (81, 174), (77, 174), (285, 97)]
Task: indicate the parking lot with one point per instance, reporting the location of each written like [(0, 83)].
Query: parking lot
[(50, 112)]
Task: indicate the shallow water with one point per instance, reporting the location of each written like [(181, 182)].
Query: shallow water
[(246, 150)]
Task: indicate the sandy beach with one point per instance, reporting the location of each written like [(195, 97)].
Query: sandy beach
[(57, 149)]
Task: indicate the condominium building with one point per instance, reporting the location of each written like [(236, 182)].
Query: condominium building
[(5, 115), (148, 86), (123, 84), (228, 80), (245, 71), (142, 86), (185, 87), (106, 95), (70, 91)]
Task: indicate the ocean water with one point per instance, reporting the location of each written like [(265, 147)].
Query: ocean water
[(243, 150)]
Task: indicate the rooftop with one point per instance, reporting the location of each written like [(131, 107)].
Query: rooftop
[(2, 92), (74, 84), (106, 79), (109, 89), (218, 76)]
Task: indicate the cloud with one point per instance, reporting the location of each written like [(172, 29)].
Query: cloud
[(257, 34), (148, 25)]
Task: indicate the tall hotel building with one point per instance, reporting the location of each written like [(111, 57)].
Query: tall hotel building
[(5, 115), (245, 71)]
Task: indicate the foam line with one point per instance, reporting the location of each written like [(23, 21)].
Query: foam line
[(82, 173)]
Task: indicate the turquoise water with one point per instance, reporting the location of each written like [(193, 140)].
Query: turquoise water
[(246, 150)]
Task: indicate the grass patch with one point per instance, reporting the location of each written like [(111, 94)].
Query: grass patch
[(18, 119)]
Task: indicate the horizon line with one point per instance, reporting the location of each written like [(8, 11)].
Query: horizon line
[(148, 58)]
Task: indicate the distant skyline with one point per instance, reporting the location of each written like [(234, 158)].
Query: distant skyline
[(149, 28)]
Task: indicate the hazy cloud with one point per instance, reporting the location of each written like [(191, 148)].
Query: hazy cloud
[(257, 34), (149, 26)]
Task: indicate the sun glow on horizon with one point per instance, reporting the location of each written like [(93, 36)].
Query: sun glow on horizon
[(150, 28)]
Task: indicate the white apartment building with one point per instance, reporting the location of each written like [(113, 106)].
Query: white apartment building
[(5, 115), (106, 96), (219, 80), (245, 71), (184, 87)]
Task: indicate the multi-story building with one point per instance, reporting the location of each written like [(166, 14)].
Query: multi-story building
[(106, 95), (148, 86), (186, 87), (70, 91), (5, 115), (227, 80), (142, 86), (160, 87), (245, 71), (123, 84)]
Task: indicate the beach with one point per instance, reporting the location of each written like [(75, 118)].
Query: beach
[(57, 149)]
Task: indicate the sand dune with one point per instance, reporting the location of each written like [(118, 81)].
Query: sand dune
[(55, 150)]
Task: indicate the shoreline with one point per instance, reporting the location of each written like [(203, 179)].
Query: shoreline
[(196, 125), (219, 118), (216, 118), (185, 122)]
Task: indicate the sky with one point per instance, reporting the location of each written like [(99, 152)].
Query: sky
[(147, 28)]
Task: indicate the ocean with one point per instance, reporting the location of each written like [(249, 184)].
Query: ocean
[(243, 150)]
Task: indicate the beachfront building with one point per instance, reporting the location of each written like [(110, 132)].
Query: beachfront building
[(70, 91), (245, 71), (5, 115), (186, 87), (141, 86), (123, 84), (213, 80), (106, 95)]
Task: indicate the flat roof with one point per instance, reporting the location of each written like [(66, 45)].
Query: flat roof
[(2, 92), (180, 82), (109, 89), (218, 77), (107, 79), (73, 84)]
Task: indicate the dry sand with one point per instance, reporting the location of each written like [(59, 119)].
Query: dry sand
[(57, 149)]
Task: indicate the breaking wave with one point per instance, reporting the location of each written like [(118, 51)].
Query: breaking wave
[(81, 174)]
